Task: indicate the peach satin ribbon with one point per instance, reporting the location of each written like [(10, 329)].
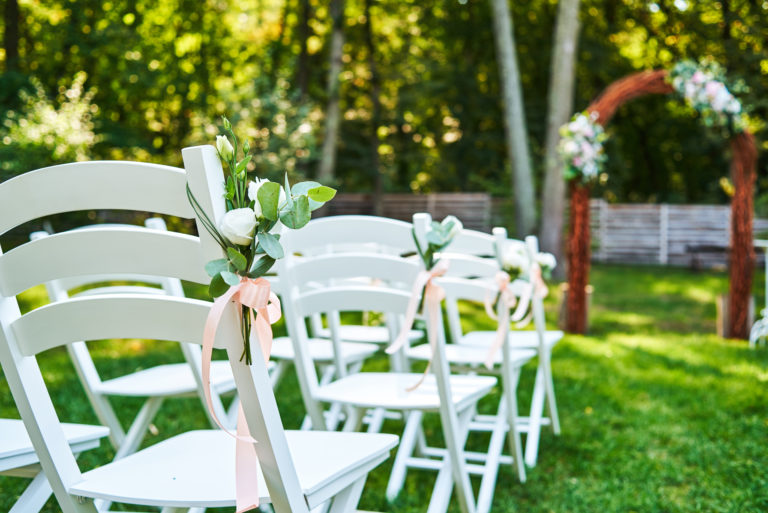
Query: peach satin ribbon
[(536, 287), (257, 296), (433, 296)]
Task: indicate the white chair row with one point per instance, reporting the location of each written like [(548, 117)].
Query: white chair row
[(298, 470)]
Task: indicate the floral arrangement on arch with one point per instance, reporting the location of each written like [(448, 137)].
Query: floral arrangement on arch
[(581, 147), (703, 87), (247, 232), (516, 262)]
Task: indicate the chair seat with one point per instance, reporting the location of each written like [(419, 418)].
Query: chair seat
[(372, 334), (469, 354), (517, 339), (321, 350), (167, 380), (388, 390), (197, 468), (16, 448)]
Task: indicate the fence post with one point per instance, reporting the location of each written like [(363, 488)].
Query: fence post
[(664, 234)]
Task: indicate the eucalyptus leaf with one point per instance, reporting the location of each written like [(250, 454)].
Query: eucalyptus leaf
[(288, 193), (321, 194), (269, 195), (218, 286), (261, 266), (271, 245), (436, 238), (299, 215), (214, 267), (303, 188), (230, 278), (237, 259)]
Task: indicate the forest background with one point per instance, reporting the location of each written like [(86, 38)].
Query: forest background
[(419, 91)]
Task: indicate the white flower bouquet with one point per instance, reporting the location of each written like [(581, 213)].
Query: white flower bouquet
[(581, 147), (516, 263), (254, 209), (439, 236), (703, 87)]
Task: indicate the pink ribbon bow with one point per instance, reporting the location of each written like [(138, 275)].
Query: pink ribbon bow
[(506, 302), (264, 308), (433, 296)]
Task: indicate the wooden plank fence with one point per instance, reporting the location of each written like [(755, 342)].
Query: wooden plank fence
[(681, 235)]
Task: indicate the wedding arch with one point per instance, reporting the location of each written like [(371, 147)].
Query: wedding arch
[(696, 87)]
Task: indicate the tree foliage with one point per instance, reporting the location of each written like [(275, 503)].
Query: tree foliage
[(163, 72)]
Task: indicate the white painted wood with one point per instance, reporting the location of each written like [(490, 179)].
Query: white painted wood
[(357, 230), (182, 471), (132, 250), (105, 185), (322, 350)]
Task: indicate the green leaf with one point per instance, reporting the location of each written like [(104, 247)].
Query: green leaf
[(261, 266), (237, 259), (435, 237), (230, 278), (302, 188), (230, 188), (269, 195), (321, 194), (218, 286), (214, 267), (241, 165), (299, 215), (271, 245), (288, 193)]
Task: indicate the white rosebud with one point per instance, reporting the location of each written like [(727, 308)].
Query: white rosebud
[(253, 194), (224, 147), (546, 261), (514, 257), (239, 225), (455, 229)]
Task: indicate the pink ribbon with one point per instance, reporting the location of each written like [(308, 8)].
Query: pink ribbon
[(257, 296), (506, 302), (433, 296), (536, 288)]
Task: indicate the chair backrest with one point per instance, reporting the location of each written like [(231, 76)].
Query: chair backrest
[(62, 288), (338, 234), (129, 250)]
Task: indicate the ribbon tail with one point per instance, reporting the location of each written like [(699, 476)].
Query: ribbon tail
[(433, 295), (525, 321), (410, 314), (501, 333), (489, 306), (246, 468), (522, 306)]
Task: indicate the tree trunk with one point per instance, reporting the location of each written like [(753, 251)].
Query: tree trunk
[(378, 193), (302, 66), (578, 260), (11, 39), (514, 119), (327, 169), (742, 250), (560, 108)]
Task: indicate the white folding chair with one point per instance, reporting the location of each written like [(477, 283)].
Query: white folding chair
[(540, 339), (18, 458), (507, 363), (353, 343), (453, 396), (155, 383), (299, 471)]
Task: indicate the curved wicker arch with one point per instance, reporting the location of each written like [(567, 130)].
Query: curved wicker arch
[(743, 168)]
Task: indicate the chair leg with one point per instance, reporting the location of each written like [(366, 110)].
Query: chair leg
[(375, 420), (491, 466), (139, 427), (354, 420), (551, 401), (534, 420), (404, 451), (34, 497), (279, 372), (107, 417), (347, 500), (454, 472)]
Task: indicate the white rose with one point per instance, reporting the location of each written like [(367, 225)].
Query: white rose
[(546, 261), (253, 195), (238, 226), (455, 229), (514, 257), (224, 147)]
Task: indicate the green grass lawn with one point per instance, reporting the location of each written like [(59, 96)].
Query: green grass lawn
[(658, 414)]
